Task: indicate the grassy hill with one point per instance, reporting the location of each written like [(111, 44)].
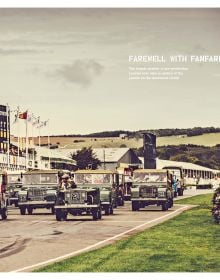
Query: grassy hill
[(209, 139)]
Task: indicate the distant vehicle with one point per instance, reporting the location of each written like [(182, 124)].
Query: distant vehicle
[(14, 186), (125, 178), (204, 183), (3, 196), (102, 179), (216, 205), (78, 201), (178, 176), (39, 190), (152, 187)]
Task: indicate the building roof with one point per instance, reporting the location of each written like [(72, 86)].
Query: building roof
[(110, 154), (53, 154), (103, 154)]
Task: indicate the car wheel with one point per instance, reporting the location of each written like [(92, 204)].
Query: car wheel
[(111, 210), (60, 215), (135, 206), (100, 214), (4, 214), (95, 215), (23, 210), (107, 210), (165, 206), (30, 210), (52, 210), (170, 203)]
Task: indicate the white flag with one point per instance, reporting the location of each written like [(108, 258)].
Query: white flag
[(36, 121)]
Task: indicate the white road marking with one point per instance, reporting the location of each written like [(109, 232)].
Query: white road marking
[(96, 244)]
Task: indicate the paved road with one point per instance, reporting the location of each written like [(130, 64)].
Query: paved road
[(31, 241)]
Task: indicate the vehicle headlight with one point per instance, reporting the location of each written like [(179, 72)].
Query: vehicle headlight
[(83, 195), (68, 195)]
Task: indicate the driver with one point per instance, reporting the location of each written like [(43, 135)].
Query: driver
[(65, 182)]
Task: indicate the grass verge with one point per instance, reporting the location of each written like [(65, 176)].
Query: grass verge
[(189, 242)]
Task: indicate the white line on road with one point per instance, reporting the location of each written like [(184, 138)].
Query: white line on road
[(97, 244)]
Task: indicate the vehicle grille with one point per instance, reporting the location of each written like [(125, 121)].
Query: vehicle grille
[(75, 197), (150, 192), (37, 194)]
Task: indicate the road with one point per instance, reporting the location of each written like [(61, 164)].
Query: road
[(31, 241)]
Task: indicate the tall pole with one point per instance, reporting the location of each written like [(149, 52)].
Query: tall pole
[(26, 153), (8, 136), (18, 161), (104, 157), (39, 137), (48, 141)]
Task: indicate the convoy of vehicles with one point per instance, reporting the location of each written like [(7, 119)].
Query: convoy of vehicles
[(102, 179), (93, 191), (152, 187), (202, 183), (125, 179), (39, 190)]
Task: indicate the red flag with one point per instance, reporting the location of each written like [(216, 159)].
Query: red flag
[(23, 115)]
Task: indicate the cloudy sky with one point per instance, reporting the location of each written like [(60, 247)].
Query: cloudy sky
[(71, 66)]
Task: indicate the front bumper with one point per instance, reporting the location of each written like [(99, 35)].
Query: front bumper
[(39, 204), (76, 206)]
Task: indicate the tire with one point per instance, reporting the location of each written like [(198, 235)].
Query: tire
[(135, 206), (52, 210), (95, 215), (122, 202), (30, 210), (111, 210), (107, 210), (170, 204), (4, 214), (16, 203), (165, 206), (22, 210), (180, 192), (60, 215), (100, 214)]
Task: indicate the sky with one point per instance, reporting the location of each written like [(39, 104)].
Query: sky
[(70, 66)]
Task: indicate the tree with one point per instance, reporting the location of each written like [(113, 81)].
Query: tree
[(86, 159)]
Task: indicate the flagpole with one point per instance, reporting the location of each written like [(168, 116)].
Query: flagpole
[(48, 141), (26, 157), (32, 132), (8, 136), (39, 137), (18, 161)]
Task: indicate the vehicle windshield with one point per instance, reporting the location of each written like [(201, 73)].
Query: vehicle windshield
[(14, 178), (30, 179), (93, 179), (150, 177)]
